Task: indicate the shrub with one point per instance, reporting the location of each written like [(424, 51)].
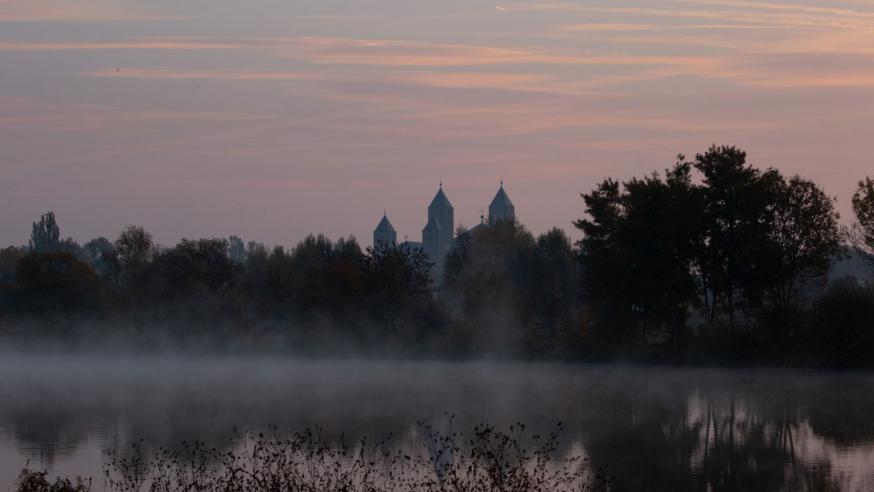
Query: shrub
[(485, 460), (842, 326), (35, 481)]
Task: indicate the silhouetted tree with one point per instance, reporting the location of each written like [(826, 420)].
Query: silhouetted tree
[(100, 254), (9, 258), (736, 205), (658, 236), (488, 276), (398, 287), (54, 283), (46, 235), (309, 262), (842, 325), (638, 253), (133, 251), (862, 232), (192, 267), (555, 296), (280, 278), (254, 277), (803, 238), (604, 263), (655, 249), (345, 279)]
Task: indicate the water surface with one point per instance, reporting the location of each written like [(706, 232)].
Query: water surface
[(652, 428)]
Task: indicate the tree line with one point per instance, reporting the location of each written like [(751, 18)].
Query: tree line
[(712, 260), (717, 251)]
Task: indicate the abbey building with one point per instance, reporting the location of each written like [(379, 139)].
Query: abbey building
[(439, 232)]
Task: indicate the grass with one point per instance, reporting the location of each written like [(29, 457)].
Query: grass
[(485, 459)]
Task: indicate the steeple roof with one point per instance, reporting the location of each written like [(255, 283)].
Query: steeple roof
[(501, 200), (384, 225), (440, 200)]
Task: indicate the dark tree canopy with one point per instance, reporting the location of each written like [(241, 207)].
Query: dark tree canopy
[(656, 251), (862, 232), (735, 213), (638, 253), (46, 235), (803, 238), (54, 283)]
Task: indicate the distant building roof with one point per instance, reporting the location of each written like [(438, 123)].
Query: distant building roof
[(475, 228), (440, 200), (501, 200), (384, 225)]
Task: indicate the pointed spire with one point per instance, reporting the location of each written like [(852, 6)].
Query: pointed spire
[(384, 225), (440, 199), (384, 235), (501, 207)]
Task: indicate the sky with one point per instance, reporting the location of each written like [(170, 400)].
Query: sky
[(274, 119)]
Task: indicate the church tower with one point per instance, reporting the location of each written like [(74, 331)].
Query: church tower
[(501, 207), (384, 236), (437, 234)]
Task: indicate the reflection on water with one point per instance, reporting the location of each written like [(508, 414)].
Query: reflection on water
[(653, 428)]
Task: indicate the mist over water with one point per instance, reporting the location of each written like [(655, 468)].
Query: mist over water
[(653, 428)]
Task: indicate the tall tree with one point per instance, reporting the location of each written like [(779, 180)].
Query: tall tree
[(279, 277), (603, 263), (862, 232), (192, 267), (638, 250), (488, 276), (134, 249), (803, 238), (398, 286), (45, 236), (554, 302), (736, 198), (100, 253)]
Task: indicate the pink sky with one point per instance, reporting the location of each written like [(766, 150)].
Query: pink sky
[(275, 119)]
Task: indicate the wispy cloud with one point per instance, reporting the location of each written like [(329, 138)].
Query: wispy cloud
[(185, 74), (467, 66), (345, 51), (80, 11), (23, 113), (188, 44)]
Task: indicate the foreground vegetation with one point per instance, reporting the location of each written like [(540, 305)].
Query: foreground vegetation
[(486, 460), (712, 261)]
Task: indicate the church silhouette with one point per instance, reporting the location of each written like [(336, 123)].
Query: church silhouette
[(439, 232)]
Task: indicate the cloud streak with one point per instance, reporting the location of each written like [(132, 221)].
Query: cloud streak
[(79, 11), (133, 44)]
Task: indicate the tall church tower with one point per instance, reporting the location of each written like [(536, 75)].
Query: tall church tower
[(384, 235), (501, 207), (437, 234)]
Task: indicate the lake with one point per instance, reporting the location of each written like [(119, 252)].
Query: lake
[(651, 428)]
